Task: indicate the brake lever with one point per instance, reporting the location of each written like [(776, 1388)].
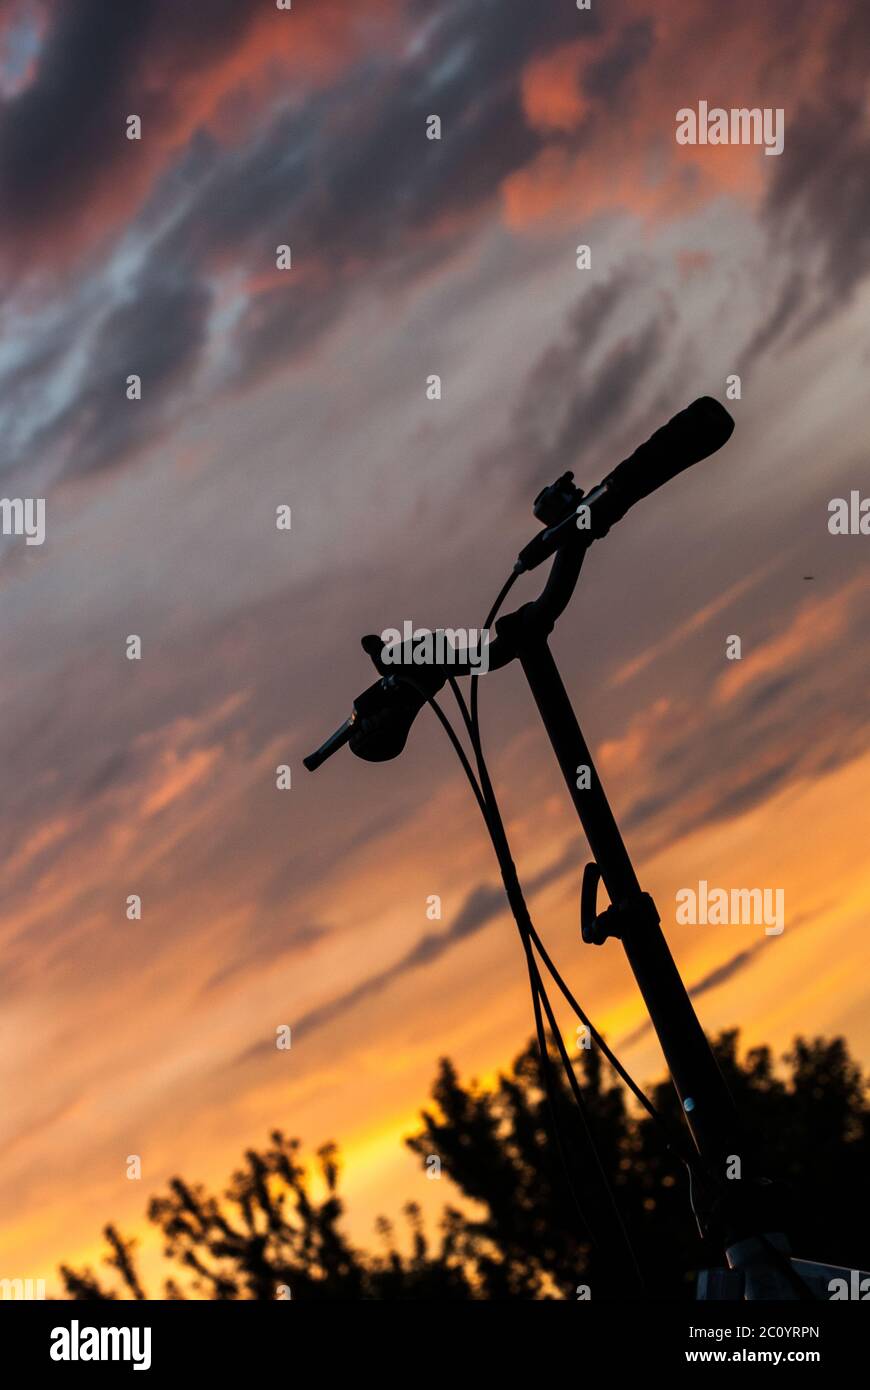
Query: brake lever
[(378, 728), (332, 744)]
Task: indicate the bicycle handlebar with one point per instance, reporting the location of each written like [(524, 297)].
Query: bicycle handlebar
[(383, 713)]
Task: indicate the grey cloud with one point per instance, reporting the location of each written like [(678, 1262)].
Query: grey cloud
[(818, 206), (348, 176), (603, 394), (720, 975), (581, 390), (709, 763), (782, 316), (482, 905), (605, 79), (157, 333), (59, 136), (268, 944)]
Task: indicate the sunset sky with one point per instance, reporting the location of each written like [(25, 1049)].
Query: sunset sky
[(307, 387)]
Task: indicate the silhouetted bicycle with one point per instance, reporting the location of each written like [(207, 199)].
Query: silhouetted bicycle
[(740, 1217)]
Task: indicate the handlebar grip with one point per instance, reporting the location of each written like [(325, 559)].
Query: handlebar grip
[(692, 435), (332, 745)]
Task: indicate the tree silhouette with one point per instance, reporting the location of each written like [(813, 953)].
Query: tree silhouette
[(535, 1219)]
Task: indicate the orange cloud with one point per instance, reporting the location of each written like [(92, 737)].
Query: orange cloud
[(178, 775), (695, 623), (817, 624), (551, 92), (620, 755), (279, 51), (632, 161)]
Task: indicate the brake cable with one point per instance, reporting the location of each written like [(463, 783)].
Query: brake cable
[(516, 901)]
